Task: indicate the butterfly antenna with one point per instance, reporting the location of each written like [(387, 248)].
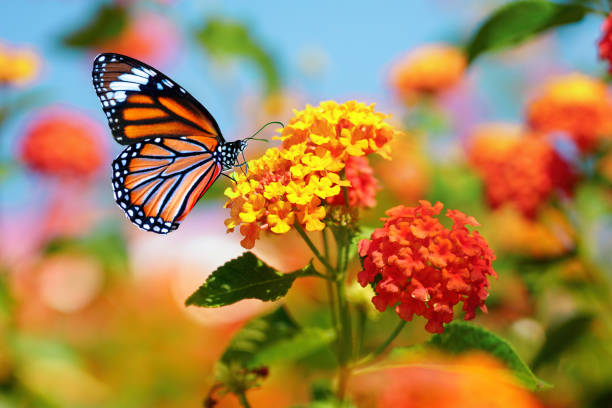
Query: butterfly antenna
[(262, 128)]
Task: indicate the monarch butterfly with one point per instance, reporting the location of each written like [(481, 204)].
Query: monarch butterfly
[(175, 150)]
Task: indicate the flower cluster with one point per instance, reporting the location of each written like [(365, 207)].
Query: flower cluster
[(63, 143), (605, 42), (575, 104), (427, 70), (521, 169), (293, 182), (420, 267), (17, 66)]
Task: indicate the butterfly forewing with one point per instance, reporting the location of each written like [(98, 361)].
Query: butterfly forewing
[(142, 103), (157, 182)]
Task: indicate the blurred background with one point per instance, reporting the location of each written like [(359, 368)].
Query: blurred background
[(92, 309)]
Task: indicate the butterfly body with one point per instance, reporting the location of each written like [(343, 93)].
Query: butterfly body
[(174, 148)]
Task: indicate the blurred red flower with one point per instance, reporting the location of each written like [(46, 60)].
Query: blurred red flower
[(149, 37), (362, 191), (64, 143), (605, 42), (424, 268), (518, 168), (575, 104)]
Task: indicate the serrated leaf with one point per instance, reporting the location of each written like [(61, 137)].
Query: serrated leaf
[(231, 39), (461, 337), (106, 24), (245, 277), (519, 21), (561, 337)]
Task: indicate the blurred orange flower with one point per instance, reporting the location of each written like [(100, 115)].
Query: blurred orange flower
[(149, 37), (427, 70), (576, 104), (406, 175), (420, 267), (517, 167), (18, 66), (473, 380), (549, 236), (291, 183), (64, 143)]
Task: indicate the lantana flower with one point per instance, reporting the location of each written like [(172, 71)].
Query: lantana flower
[(575, 104), (292, 183), (427, 70), (518, 167), (64, 143), (419, 267), (18, 66)]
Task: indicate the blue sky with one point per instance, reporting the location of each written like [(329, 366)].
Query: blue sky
[(358, 38)]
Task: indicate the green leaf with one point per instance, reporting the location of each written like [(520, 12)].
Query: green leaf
[(245, 277), (231, 39), (106, 24), (519, 21), (561, 337), (461, 337), (303, 343), (274, 337)]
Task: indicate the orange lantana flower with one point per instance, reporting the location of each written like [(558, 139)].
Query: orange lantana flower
[(427, 70), (63, 142), (518, 168), (575, 104)]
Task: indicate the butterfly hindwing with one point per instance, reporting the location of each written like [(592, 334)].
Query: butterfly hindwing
[(158, 181), (142, 103)]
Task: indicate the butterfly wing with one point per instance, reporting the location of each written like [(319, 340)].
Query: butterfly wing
[(159, 181), (141, 103)]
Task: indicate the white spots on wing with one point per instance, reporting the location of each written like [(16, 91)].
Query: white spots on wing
[(160, 86), (168, 82), (101, 58), (157, 140), (119, 97), (123, 86), (140, 72), (149, 71), (131, 78), (182, 90)]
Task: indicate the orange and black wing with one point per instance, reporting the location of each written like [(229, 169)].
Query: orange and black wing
[(142, 103), (159, 181)]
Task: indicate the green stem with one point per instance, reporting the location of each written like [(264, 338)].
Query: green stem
[(312, 247), (384, 345), (243, 400)]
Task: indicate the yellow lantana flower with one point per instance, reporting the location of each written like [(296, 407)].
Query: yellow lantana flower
[(293, 183)]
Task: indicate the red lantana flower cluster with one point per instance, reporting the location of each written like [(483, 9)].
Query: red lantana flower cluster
[(420, 267), (522, 170)]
